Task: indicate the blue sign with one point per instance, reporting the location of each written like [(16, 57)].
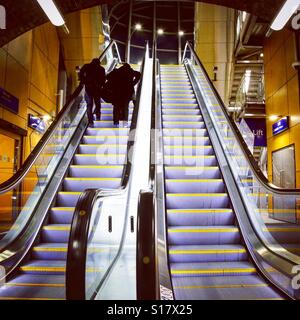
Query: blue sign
[(8, 101), (281, 126), (259, 128), (36, 123)]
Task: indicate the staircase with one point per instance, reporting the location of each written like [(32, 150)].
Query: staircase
[(98, 163), (208, 259)]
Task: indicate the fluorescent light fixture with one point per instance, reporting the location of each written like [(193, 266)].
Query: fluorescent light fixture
[(52, 12), (247, 81), (181, 33), (160, 31), (285, 14), (244, 16), (273, 117), (46, 118), (138, 27)]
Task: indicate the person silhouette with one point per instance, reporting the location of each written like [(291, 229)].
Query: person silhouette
[(93, 77), (123, 81)]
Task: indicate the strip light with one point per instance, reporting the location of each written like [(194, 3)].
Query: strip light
[(247, 81), (284, 15), (52, 12)]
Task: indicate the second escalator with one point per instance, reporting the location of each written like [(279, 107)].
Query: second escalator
[(207, 256)]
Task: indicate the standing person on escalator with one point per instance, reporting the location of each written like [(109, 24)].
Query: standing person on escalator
[(123, 81), (93, 77)]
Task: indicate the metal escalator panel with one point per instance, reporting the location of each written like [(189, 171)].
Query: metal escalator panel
[(207, 256), (268, 216)]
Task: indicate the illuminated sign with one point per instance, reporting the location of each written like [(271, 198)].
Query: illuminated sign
[(259, 128), (36, 123), (280, 126)]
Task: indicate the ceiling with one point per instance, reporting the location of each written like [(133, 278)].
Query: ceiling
[(25, 15)]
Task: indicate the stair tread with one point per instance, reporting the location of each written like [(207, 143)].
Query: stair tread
[(237, 287), (221, 247), (51, 246), (45, 263), (210, 210), (63, 209), (212, 265), (204, 228), (63, 227)]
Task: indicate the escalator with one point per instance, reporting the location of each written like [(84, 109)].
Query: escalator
[(74, 159), (208, 259), (43, 275), (217, 231)]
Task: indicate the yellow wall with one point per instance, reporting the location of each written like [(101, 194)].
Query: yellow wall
[(85, 40), (29, 71), (214, 40), (282, 93), (29, 65)]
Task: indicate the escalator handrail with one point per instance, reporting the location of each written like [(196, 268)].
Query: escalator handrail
[(146, 262), (79, 235), (247, 153), (17, 178), (146, 266)]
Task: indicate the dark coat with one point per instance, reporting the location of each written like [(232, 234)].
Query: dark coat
[(93, 76), (122, 82)]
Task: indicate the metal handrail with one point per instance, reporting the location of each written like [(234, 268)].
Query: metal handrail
[(248, 155), (146, 252), (78, 241), (18, 177)]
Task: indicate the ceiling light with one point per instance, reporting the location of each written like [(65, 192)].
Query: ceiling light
[(285, 14), (160, 31), (261, 55), (138, 27), (52, 12), (181, 33)]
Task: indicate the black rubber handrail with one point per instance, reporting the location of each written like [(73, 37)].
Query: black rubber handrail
[(79, 235), (146, 266), (146, 262), (247, 153), (18, 177)]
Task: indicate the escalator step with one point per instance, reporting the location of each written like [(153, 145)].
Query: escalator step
[(197, 201), (207, 253), (200, 217), (50, 251), (203, 235), (61, 215), (223, 288), (57, 233), (207, 269)]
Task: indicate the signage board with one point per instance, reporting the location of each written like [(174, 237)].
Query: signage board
[(36, 123), (8, 101), (280, 126), (259, 128)]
